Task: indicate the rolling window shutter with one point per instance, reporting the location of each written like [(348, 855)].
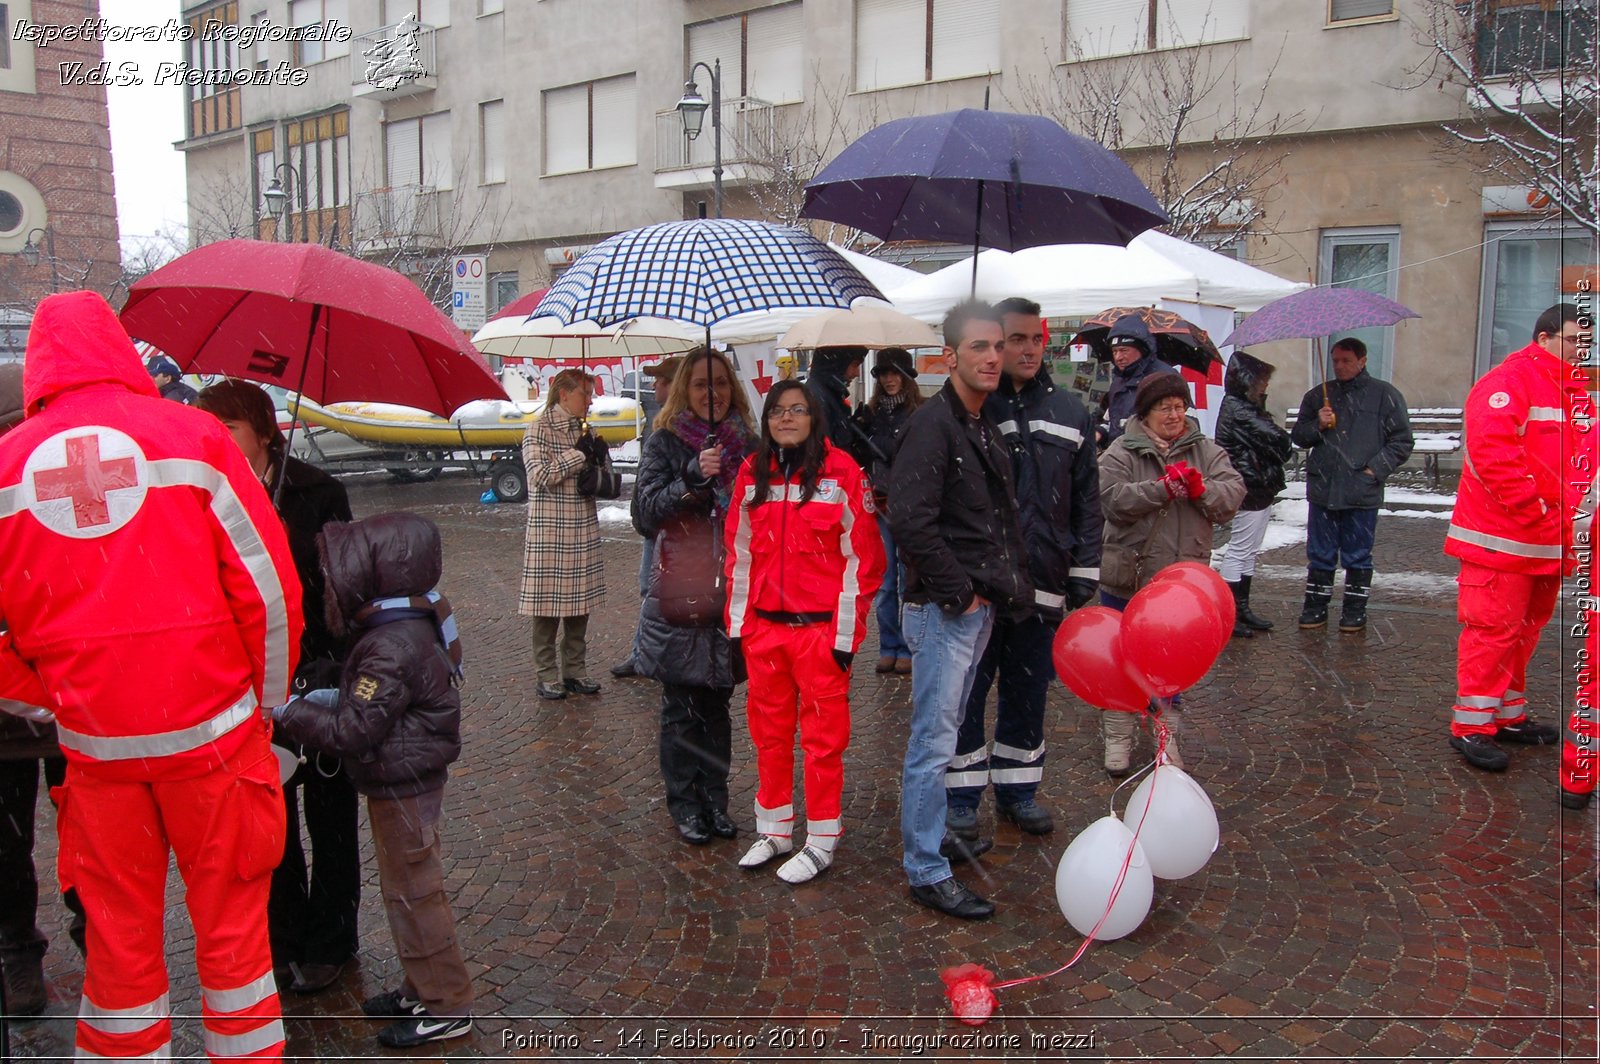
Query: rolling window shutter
[(1340, 10), (1106, 27), (710, 41), (966, 37), (890, 41), (777, 67), (492, 128), (566, 130), (403, 149), (1186, 22), (438, 159), (616, 123)]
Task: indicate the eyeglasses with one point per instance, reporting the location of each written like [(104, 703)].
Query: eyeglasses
[(777, 412)]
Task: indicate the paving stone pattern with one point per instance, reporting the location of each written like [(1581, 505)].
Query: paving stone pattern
[(1373, 898)]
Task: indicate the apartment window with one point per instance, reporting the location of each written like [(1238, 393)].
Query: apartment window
[(492, 139), (307, 13), (1534, 36), (491, 7), (212, 108), (760, 53), (1368, 259), (1097, 28), (418, 151), (502, 291), (427, 12), (590, 126), (901, 42), (1350, 10), (1524, 271), (258, 50)]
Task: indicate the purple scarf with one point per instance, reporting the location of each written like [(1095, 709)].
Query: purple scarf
[(730, 437)]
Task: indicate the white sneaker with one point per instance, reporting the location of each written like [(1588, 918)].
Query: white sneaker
[(806, 865), (765, 849)]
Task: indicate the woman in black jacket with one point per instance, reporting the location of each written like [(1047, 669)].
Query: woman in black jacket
[(1258, 449), (881, 421), (686, 474), (311, 916)]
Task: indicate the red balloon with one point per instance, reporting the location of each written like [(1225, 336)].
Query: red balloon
[(1171, 634), (1089, 658), (1202, 577)]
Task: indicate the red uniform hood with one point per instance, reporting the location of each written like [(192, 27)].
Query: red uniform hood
[(76, 340)]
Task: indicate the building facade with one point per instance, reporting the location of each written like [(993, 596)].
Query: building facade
[(530, 129)]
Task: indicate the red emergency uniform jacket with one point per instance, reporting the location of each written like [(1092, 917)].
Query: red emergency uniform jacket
[(1529, 459), (147, 592), (824, 555)]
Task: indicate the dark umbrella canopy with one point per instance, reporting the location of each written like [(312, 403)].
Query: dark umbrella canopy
[(1012, 181), (1318, 312), (1178, 342), (309, 319)]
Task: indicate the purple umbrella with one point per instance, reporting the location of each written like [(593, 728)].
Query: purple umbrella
[(1318, 312), (1001, 180)]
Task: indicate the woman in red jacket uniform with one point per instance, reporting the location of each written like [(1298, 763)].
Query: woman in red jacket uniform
[(804, 561)]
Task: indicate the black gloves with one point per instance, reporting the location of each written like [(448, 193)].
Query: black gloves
[(592, 448), (1081, 592), (316, 673), (844, 659)]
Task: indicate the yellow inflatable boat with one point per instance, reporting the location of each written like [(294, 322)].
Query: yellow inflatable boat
[(487, 423)]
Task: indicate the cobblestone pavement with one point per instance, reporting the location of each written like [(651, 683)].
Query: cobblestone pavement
[(1372, 898)]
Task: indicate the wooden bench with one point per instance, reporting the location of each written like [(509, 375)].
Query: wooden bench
[(1435, 430)]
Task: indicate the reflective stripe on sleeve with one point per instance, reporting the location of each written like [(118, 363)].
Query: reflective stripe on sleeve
[(160, 744), (1050, 428), (1084, 574), (1045, 598), (844, 636)]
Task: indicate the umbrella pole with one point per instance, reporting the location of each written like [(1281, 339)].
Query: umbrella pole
[(977, 231), (300, 394)]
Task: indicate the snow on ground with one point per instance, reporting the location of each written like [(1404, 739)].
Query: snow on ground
[(1288, 524), (1423, 583)]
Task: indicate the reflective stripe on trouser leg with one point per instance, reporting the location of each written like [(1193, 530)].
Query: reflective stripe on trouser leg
[(968, 774), (1491, 607), (1016, 761), (779, 822), (824, 834), (1542, 596), (227, 836), (824, 724), (772, 709)]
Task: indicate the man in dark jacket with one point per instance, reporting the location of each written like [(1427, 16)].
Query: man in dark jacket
[(832, 371), (169, 380), (1358, 432), (1133, 358), (955, 523), (1057, 475)]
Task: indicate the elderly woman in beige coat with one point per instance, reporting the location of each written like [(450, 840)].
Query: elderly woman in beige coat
[(1153, 518), (562, 578)]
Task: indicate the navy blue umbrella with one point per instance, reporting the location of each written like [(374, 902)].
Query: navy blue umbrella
[(1001, 180)]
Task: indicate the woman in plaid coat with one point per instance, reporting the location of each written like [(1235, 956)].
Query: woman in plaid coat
[(562, 578)]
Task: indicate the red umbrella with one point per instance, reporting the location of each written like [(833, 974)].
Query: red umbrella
[(309, 319), (522, 306)]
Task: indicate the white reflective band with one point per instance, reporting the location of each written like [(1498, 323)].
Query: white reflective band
[(972, 757), (1514, 696), (1017, 775), (778, 821), (954, 780), (1477, 702), (1016, 753), (1506, 714), (739, 582), (844, 635), (248, 1044), (1007, 428), (123, 1021), (161, 744), (1505, 546), (825, 827), (1546, 413), (242, 997), (11, 501), (1473, 716), (1050, 428), (161, 1052), (1084, 574), (1044, 598)]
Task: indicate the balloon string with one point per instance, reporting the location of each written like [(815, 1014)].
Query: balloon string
[(1161, 733)]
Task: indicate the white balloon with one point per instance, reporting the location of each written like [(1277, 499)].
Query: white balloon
[(1088, 872), (288, 761), (1179, 831)]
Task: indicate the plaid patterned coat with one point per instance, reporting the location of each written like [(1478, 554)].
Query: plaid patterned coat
[(562, 573)]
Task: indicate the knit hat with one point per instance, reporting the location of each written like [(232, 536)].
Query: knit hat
[(1158, 386), (10, 395), (895, 360)]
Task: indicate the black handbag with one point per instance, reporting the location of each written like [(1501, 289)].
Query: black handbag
[(598, 478)]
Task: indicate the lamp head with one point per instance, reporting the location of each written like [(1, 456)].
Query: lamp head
[(692, 108)]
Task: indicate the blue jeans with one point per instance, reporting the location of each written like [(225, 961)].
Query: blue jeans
[(891, 644), (944, 654), (1332, 535)]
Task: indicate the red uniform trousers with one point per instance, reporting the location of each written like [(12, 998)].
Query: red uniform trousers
[(226, 829), (1580, 756), (1501, 616), (794, 679)]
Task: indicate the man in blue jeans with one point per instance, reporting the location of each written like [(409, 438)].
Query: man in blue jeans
[(955, 523)]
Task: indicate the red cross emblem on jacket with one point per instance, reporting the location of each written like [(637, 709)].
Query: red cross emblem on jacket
[(94, 473)]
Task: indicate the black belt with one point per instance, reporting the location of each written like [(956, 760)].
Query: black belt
[(789, 617)]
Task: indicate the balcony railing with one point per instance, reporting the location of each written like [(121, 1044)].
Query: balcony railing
[(394, 60), (749, 136), (1527, 38), (405, 215)]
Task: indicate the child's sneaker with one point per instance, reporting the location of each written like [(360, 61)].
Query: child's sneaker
[(391, 1004), (423, 1027)]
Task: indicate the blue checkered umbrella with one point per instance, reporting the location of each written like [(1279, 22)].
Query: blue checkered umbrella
[(703, 271)]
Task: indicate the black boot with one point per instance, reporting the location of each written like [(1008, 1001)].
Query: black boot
[(1246, 614), (1240, 629), (1319, 592), (1353, 607)]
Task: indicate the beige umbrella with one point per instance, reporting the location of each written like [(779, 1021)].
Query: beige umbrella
[(870, 325)]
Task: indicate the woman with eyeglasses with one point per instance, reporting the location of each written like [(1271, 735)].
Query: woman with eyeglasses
[(804, 561), (1163, 485), (686, 476)]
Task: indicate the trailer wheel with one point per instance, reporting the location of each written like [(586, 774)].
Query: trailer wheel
[(509, 479), (415, 475)]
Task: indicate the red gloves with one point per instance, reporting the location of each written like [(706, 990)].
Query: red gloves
[(1183, 481)]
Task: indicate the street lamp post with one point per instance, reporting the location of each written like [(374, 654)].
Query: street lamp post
[(692, 109), (278, 199), (30, 255)]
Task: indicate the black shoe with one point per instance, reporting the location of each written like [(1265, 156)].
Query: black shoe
[(313, 978), (959, 851), (1249, 616), (1529, 732), (554, 692), (423, 1028), (722, 825), (1481, 752), (581, 686), (951, 897), (1241, 630), (391, 1004), (1353, 606), (1319, 592), (625, 670), (694, 829), (1028, 815), (1575, 800), (962, 822)]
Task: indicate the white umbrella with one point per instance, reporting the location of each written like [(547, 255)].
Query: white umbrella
[(864, 325), (547, 339)]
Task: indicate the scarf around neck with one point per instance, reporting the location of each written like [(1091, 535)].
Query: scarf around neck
[(433, 606), (729, 437)]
